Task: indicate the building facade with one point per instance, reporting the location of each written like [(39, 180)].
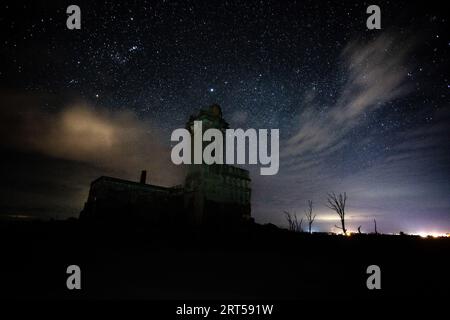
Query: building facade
[(216, 194)]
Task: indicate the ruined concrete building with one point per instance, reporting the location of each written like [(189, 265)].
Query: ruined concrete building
[(216, 194)]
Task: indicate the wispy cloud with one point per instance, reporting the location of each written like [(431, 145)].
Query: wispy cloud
[(375, 73), (389, 185)]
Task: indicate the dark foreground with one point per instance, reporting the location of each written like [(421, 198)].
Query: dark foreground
[(254, 263)]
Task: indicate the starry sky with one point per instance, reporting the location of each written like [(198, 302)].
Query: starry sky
[(360, 111)]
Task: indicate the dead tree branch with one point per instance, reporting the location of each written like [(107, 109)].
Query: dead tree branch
[(337, 204), (309, 215), (294, 224)]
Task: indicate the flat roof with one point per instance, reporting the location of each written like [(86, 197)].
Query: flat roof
[(129, 182)]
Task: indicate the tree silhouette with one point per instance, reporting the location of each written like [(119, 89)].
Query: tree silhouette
[(375, 222), (294, 225), (337, 203), (309, 215)]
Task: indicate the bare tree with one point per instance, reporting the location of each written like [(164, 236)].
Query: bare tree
[(309, 215), (375, 223), (337, 203), (294, 225)]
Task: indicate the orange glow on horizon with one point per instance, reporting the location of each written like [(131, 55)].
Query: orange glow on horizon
[(425, 234)]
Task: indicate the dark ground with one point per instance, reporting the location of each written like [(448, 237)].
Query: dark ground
[(262, 263)]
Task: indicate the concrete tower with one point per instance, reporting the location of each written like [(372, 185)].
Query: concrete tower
[(218, 193)]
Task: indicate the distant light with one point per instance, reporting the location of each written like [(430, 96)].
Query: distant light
[(425, 234), (97, 95), (211, 89)]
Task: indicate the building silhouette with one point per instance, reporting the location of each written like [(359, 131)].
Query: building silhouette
[(216, 194)]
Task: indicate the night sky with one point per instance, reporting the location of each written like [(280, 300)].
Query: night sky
[(360, 111)]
